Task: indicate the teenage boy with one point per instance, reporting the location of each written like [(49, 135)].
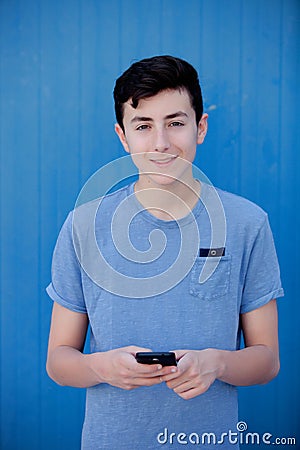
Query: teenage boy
[(129, 405)]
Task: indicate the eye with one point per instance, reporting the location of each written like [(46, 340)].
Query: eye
[(176, 124), (142, 127)]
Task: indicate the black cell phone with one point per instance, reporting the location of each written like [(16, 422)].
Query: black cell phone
[(163, 358)]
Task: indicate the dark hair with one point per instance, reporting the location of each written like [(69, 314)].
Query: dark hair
[(149, 76)]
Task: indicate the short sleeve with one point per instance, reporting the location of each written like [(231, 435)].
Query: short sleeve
[(262, 280), (66, 285)]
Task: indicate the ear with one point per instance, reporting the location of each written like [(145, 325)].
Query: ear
[(122, 137), (202, 129)]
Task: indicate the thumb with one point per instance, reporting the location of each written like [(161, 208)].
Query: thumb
[(133, 349), (179, 353)]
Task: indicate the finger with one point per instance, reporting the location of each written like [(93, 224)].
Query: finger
[(156, 370), (173, 384), (133, 366), (144, 369), (171, 376), (200, 388), (183, 387), (137, 382), (183, 377), (191, 393)]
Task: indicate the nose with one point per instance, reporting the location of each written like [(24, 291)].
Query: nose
[(162, 142)]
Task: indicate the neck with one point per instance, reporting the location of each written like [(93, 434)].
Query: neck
[(168, 202)]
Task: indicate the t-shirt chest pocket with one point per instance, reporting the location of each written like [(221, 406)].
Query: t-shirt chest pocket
[(215, 279)]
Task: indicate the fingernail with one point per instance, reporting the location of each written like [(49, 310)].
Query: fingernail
[(173, 370), (159, 367)]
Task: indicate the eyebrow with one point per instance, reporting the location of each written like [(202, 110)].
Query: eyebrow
[(149, 119)]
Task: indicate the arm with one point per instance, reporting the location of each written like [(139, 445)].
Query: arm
[(256, 364), (67, 365)]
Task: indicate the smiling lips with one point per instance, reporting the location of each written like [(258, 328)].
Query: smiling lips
[(164, 161)]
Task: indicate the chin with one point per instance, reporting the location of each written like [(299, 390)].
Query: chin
[(161, 179)]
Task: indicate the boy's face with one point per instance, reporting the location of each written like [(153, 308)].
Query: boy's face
[(161, 135)]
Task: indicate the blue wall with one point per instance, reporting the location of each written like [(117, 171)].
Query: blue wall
[(59, 60)]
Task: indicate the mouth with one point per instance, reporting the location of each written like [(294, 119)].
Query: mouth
[(164, 161)]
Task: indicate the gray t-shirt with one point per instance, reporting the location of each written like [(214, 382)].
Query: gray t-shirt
[(230, 243)]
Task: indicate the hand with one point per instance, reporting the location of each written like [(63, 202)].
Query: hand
[(197, 370), (119, 368)]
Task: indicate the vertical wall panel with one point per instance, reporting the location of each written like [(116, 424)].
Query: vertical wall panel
[(58, 63), (289, 218), (20, 336)]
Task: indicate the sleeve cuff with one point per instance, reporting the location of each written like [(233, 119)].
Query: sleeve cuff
[(262, 301), (61, 301)]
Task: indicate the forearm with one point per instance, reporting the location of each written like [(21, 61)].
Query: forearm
[(257, 364), (118, 367), (67, 366)]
